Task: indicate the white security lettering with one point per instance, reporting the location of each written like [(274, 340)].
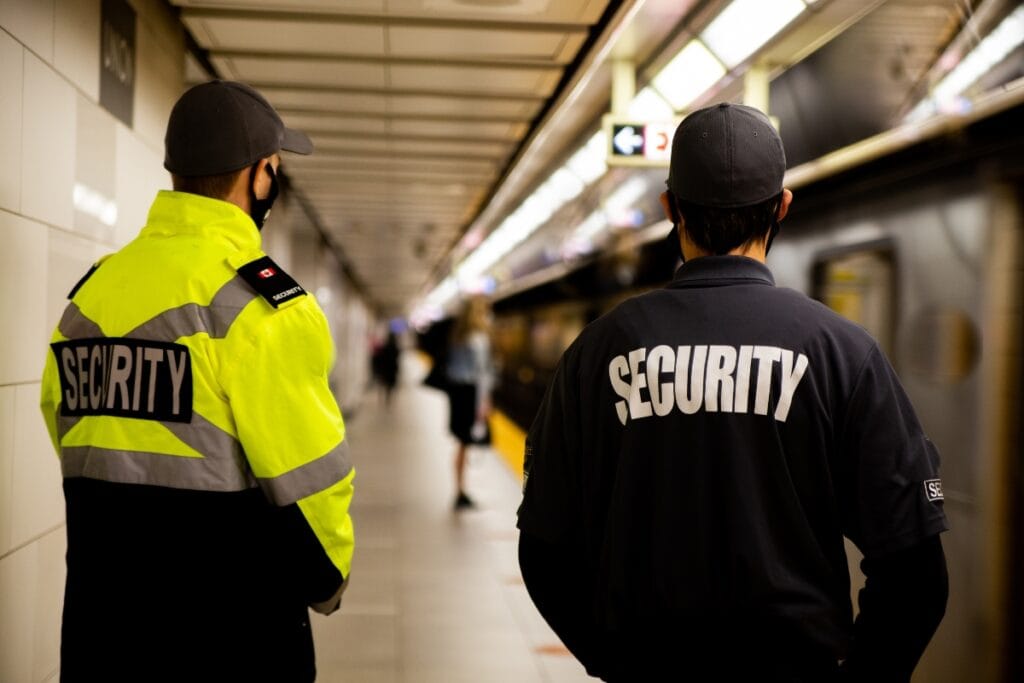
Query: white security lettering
[(120, 371), (690, 392), (791, 376), (137, 385), (721, 365), (82, 356), (765, 355), (638, 407), (743, 379), (125, 377), (177, 375), (661, 359), (616, 370), (714, 377), (96, 386), (67, 357), (154, 357), (287, 292)]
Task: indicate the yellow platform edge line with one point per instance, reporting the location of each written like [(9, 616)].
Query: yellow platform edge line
[(509, 441)]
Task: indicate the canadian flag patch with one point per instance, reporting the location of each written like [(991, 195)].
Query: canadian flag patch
[(270, 281)]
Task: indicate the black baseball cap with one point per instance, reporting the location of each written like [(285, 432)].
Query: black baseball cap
[(223, 126), (726, 156)]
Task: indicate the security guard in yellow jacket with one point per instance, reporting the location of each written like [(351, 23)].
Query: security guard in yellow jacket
[(206, 473)]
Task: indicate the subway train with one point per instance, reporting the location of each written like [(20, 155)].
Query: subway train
[(920, 241)]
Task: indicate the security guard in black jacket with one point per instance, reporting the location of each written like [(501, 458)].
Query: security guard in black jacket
[(703, 449)]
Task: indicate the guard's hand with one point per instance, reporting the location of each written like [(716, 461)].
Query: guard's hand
[(333, 603)]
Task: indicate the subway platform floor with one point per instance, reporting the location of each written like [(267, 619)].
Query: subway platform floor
[(436, 595)]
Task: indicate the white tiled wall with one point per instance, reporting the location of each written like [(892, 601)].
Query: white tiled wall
[(47, 144), (54, 134), (23, 306), (11, 70), (76, 51)]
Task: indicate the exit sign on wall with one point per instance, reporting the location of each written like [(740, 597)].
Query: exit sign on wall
[(638, 143)]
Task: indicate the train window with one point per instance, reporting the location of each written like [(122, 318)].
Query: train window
[(859, 283)]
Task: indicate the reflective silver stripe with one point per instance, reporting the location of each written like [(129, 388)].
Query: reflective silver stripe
[(75, 325), (189, 319), (312, 477), (208, 439), (155, 469), (65, 424)]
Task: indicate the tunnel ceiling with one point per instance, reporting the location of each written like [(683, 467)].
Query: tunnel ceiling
[(415, 108), (418, 107)]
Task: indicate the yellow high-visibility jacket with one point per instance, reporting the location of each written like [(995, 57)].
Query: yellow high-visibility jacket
[(203, 453)]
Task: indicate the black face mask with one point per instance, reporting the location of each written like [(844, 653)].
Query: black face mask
[(259, 209)]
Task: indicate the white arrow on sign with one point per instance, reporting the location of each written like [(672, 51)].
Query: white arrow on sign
[(628, 141)]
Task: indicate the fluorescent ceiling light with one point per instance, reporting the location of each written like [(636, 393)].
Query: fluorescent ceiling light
[(745, 25), (589, 160), (689, 74), (650, 106), (993, 49), (563, 186), (589, 228), (620, 203)]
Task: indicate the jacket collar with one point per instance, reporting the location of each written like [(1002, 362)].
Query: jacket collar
[(717, 271), (181, 213)]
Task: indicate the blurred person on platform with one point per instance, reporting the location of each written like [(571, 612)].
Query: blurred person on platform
[(703, 449), (470, 377), (206, 472), (385, 366)]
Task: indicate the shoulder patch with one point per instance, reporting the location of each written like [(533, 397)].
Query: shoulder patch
[(270, 282)]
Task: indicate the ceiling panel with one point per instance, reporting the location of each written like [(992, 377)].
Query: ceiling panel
[(478, 44), (320, 123), (322, 160), (399, 146), (518, 109), (384, 175), (290, 99), (265, 34), (307, 72), (531, 82), (552, 11), (360, 6), (455, 129)]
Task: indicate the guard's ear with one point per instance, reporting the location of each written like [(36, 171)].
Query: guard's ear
[(787, 199), (668, 205)]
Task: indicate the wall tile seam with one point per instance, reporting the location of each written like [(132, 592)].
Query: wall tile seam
[(35, 539), (60, 228), (51, 66), (4, 385)]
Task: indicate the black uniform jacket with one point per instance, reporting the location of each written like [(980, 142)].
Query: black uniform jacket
[(707, 446)]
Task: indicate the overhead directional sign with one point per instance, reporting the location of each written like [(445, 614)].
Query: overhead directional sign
[(638, 143), (627, 139)]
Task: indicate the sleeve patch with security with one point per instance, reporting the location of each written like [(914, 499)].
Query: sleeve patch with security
[(126, 378), (270, 281)]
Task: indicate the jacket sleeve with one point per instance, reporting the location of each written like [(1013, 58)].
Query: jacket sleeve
[(293, 436), (49, 395), (901, 605), (552, 555)]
